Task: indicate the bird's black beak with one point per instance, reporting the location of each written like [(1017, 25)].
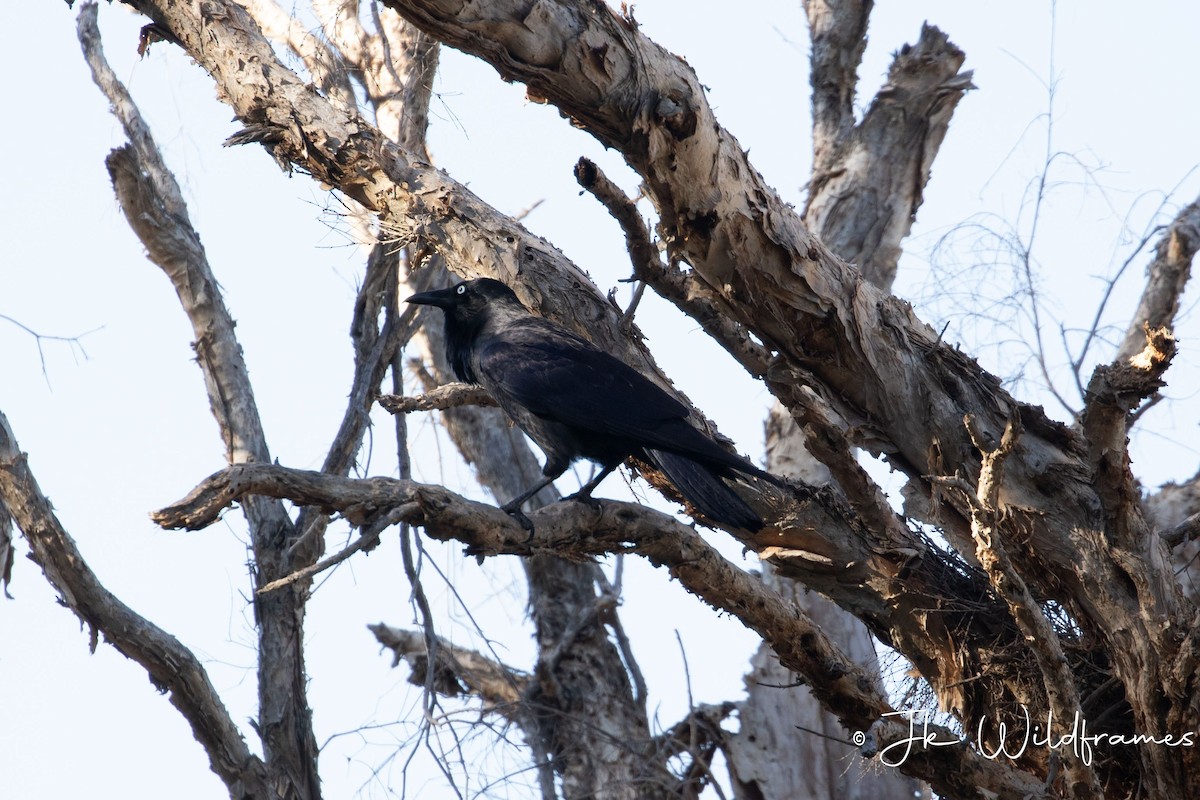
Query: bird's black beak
[(442, 298)]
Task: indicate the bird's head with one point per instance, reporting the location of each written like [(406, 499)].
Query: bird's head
[(471, 301)]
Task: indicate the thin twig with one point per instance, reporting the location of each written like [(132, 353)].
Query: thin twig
[(76, 342), (642, 253), (569, 530), (366, 541), (687, 293), (426, 615), (611, 598)]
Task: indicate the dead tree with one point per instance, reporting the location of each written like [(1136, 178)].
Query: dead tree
[(1052, 592)]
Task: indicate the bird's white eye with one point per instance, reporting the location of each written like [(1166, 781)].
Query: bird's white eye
[(462, 288)]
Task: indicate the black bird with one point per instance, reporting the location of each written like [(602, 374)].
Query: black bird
[(577, 401)]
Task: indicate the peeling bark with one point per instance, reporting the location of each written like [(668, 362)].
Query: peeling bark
[(818, 538), (1167, 277), (570, 531), (868, 181), (853, 365), (1081, 780), (6, 548), (867, 355)]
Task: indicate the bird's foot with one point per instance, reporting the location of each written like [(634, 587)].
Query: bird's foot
[(585, 498), (519, 516)]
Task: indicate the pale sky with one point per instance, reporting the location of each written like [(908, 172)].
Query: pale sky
[(119, 425)]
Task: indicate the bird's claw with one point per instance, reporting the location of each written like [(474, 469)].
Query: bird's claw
[(587, 499), (519, 516)]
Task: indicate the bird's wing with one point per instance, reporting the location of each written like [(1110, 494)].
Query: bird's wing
[(551, 372), (560, 376)]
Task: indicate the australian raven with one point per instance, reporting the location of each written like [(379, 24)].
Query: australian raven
[(577, 401)]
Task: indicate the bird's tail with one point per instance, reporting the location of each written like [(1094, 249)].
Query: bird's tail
[(705, 490)]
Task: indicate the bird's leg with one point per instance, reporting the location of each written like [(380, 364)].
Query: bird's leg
[(525, 522), (584, 495), (513, 507)]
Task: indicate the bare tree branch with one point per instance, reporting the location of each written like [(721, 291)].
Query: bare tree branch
[(450, 395), (323, 63), (643, 256), (901, 390), (1041, 637), (7, 553), (838, 32), (563, 529), (74, 342), (579, 531), (1113, 391), (688, 294), (460, 671), (154, 206), (1185, 531), (1166, 278), (171, 666)]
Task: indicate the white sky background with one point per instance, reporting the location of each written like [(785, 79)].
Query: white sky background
[(126, 429)]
